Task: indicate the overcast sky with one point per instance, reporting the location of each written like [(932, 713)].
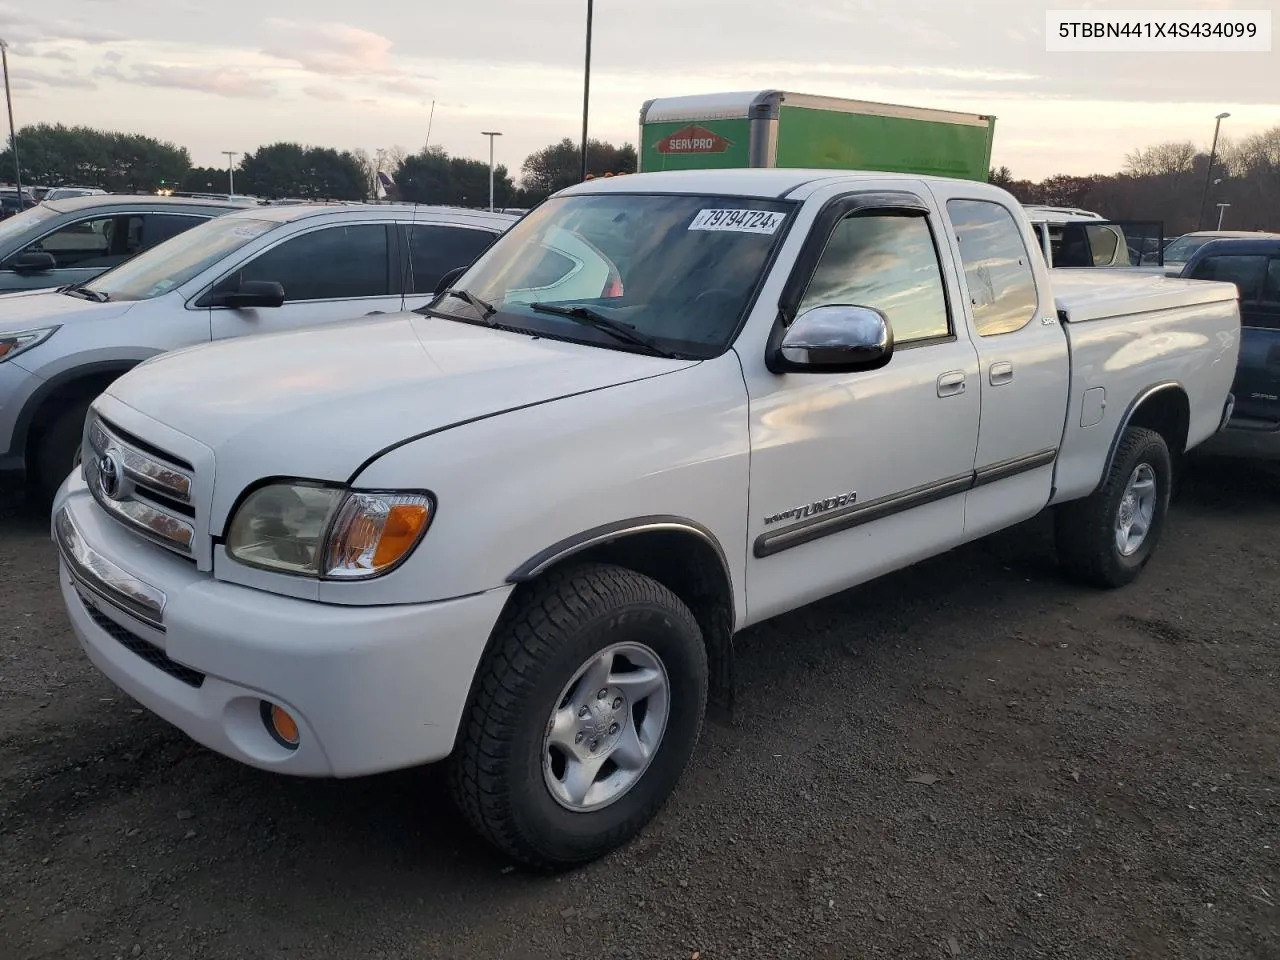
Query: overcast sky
[(230, 76)]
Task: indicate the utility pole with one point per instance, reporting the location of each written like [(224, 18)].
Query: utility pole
[(231, 169), (13, 133), (1213, 152), (490, 134), (586, 89)]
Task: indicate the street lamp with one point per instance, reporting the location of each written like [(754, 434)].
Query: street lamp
[(231, 169), (586, 89), (490, 134), (1213, 152), (1222, 208), (13, 134)]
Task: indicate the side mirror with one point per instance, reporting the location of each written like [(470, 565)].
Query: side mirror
[(34, 262), (834, 339), (447, 280), (252, 293)]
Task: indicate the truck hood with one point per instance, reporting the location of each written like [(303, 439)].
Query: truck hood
[(25, 309), (320, 402)]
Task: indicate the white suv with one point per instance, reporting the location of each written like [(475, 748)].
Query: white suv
[(262, 270)]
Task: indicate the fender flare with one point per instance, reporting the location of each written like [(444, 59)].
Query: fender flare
[(1142, 397), (22, 426)]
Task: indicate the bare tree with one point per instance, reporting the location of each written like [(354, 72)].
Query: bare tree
[(1162, 160)]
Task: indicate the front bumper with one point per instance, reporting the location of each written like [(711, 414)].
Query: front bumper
[(371, 688)]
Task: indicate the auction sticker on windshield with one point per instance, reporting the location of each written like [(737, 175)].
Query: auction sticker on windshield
[(738, 221)]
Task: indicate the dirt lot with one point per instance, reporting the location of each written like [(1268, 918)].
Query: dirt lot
[(1108, 786)]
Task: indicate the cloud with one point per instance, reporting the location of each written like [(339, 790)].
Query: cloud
[(333, 49), (327, 94), (67, 79), (23, 27), (113, 56), (227, 82), (57, 55), (409, 86)]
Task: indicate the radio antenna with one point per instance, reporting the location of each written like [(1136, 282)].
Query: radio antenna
[(430, 120)]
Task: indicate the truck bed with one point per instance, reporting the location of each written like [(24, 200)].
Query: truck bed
[(1084, 295)]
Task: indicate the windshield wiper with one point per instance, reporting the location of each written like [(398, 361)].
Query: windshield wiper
[(591, 318), (84, 293), (486, 308)]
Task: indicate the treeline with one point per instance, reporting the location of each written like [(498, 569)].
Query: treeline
[(57, 155), (1166, 182)]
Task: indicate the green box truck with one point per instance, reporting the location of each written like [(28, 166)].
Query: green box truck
[(773, 128)]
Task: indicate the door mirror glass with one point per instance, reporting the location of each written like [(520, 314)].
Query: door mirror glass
[(33, 261), (252, 294), (836, 339)]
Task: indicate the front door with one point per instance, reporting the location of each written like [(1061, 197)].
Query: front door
[(329, 274), (1026, 368), (853, 475)]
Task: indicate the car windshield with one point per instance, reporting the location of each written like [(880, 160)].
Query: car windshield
[(1181, 249), (675, 272), (171, 264), (21, 224)]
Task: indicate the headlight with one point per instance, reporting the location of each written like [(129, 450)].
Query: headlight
[(12, 344), (315, 530)]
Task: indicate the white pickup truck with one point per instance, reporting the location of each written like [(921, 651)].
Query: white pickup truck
[(519, 527)]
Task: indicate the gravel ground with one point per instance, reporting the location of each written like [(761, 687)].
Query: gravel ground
[(1106, 786)]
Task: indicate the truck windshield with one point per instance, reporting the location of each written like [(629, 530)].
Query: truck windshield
[(168, 265), (677, 270)]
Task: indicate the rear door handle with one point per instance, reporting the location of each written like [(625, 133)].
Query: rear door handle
[(1001, 372), (951, 383)]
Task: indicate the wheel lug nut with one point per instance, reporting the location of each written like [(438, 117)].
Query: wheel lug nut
[(613, 728), (617, 702), (602, 695), (578, 739), (593, 744), (584, 713)]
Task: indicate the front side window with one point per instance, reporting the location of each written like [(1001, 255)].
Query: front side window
[(155, 272), (13, 228), (678, 272), (1244, 271), (997, 269), (889, 262), (79, 243), (435, 249), (342, 262)]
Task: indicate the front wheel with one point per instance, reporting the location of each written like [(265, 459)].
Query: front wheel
[(56, 453), (586, 711), (1107, 538)]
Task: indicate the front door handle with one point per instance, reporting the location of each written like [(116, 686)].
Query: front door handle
[(951, 383), (1001, 372)]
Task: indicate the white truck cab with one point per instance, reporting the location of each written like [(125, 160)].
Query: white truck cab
[(518, 528)]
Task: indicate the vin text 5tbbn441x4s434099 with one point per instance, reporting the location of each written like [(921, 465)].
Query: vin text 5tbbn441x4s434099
[(519, 527)]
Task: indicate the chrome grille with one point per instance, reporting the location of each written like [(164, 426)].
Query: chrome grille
[(146, 489)]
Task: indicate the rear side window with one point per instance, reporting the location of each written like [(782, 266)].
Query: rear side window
[(333, 263), (434, 250), (1271, 283), (1103, 242), (156, 228), (886, 261), (1244, 271), (997, 268)]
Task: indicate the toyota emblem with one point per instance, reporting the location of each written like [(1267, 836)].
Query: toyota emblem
[(110, 471)]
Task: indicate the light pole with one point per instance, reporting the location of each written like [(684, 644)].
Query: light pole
[(490, 134), (231, 169), (1222, 208), (13, 133), (1213, 153), (586, 89)]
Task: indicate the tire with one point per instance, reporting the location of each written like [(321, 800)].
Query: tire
[(1086, 531), (56, 454), (503, 774)]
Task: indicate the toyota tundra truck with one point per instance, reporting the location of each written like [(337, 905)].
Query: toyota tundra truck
[(518, 529)]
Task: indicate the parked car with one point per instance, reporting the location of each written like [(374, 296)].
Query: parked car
[(1178, 253), (61, 242), (519, 527), (11, 204), (253, 271), (1253, 266), (69, 193), (1070, 237)]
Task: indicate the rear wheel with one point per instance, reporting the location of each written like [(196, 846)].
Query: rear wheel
[(1107, 538), (585, 713), (56, 453)]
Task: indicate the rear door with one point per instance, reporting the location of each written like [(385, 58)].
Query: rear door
[(1257, 278), (433, 249), (330, 273), (1024, 375)]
